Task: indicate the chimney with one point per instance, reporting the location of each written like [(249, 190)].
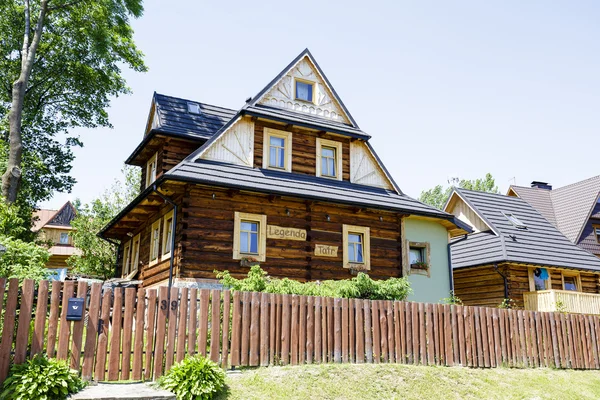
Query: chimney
[(541, 185)]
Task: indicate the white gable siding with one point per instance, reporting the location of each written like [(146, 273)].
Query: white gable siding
[(235, 146), (364, 169), (466, 214)]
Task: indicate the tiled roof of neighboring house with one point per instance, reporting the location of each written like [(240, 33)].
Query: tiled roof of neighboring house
[(41, 218), (568, 208), (55, 218), (173, 117), (304, 186), (539, 244)]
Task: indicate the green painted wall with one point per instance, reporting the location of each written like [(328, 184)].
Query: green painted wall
[(437, 287)]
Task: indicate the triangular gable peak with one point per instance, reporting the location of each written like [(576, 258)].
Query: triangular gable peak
[(281, 92), (460, 207), (64, 216)]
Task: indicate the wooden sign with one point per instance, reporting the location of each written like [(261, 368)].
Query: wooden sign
[(278, 232), (323, 250)]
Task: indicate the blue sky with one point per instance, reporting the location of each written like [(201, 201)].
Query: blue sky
[(445, 89)]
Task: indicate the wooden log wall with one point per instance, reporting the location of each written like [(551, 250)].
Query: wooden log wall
[(304, 148), (208, 226), (140, 333)]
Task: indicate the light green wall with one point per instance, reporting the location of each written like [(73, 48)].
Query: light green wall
[(437, 287)]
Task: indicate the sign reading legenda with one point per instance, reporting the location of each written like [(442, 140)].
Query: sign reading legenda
[(278, 232), (323, 250)]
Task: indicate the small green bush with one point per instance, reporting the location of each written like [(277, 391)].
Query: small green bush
[(195, 378), (41, 378), (359, 287)]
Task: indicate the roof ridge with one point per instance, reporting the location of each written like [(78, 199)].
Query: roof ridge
[(575, 183), (194, 101)]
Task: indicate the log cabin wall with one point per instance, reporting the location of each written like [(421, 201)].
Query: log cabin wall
[(304, 148), (208, 226)]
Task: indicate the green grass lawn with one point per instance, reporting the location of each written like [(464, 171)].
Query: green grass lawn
[(390, 381)]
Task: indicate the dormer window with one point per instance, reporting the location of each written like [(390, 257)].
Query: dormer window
[(277, 150), (151, 170), (193, 108), (515, 221), (329, 159), (304, 91)]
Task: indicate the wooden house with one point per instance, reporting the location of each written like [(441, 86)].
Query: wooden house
[(573, 209), (53, 227), (288, 181), (515, 253)]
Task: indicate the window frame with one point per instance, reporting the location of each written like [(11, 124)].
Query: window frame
[(514, 220), (313, 94), (287, 152), (165, 241), (262, 235), (577, 280), (365, 231), (532, 279), (152, 160), (126, 257), (425, 248), (135, 261), (596, 232), (157, 224), (338, 155), (60, 236)]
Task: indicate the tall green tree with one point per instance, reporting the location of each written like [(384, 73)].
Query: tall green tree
[(60, 63), (438, 195), (97, 258)]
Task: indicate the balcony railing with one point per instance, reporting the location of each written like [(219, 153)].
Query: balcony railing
[(562, 300)]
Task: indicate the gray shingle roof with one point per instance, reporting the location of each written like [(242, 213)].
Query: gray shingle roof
[(540, 244), (300, 185), (568, 208)]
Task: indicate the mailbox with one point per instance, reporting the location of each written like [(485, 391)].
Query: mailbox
[(75, 309)]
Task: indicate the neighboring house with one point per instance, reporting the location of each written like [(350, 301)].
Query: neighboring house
[(574, 209), (515, 253), (54, 226), (289, 181)]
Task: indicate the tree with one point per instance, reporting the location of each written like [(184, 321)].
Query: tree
[(438, 196), (98, 256), (60, 62)]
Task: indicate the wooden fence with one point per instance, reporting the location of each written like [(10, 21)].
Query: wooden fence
[(139, 334)]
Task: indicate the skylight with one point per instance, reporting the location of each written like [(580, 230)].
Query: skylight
[(514, 220), (193, 108)]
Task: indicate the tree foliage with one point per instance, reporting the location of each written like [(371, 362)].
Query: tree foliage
[(98, 256), (83, 46), (438, 195)]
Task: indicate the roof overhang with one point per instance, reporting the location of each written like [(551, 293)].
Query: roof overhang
[(153, 138)]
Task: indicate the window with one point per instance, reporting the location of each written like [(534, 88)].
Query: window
[(167, 234), (304, 91), (154, 242), (151, 170), (64, 238), (278, 149), (249, 236), (597, 233), (357, 247), (193, 108), (571, 281), (539, 279), (126, 258), (514, 220), (135, 254), (419, 258), (329, 159)]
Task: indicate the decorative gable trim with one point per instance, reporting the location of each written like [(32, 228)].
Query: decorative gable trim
[(280, 91), (235, 145), (365, 168), (64, 216)]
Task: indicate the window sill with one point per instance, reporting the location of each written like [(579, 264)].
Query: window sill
[(166, 256), (151, 263)]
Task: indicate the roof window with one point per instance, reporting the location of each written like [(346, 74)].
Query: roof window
[(515, 221), (193, 108)]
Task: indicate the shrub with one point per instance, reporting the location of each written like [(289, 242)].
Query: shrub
[(359, 287), (194, 378), (41, 378)]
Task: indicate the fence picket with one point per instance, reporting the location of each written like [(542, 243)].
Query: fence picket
[(8, 328), (344, 330), (138, 341), (254, 329), (103, 324), (285, 330), (359, 326), (303, 328), (150, 333), (294, 330), (24, 320), (272, 326), (64, 325), (127, 332), (337, 326), (310, 329), (215, 325), (89, 347), (173, 305), (203, 321), (264, 330), (37, 340), (182, 324), (225, 335), (318, 342), (161, 328), (236, 330), (115, 335)]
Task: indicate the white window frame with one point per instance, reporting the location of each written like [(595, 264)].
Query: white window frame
[(126, 258), (425, 248), (155, 225), (135, 254), (338, 155), (366, 235), (514, 220), (60, 238), (287, 136), (165, 241), (262, 235), (149, 176)]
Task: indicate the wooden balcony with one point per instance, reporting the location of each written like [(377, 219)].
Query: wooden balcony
[(563, 301)]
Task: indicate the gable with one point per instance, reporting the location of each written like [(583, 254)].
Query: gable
[(235, 145), (281, 92), (365, 169), (458, 207), (64, 216)]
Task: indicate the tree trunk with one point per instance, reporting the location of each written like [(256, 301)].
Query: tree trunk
[(11, 180)]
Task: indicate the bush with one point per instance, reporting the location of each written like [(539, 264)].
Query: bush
[(41, 378), (359, 287), (194, 378), (23, 260)]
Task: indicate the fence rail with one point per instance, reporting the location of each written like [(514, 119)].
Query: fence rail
[(139, 334)]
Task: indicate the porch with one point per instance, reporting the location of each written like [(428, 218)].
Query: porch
[(563, 301)]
